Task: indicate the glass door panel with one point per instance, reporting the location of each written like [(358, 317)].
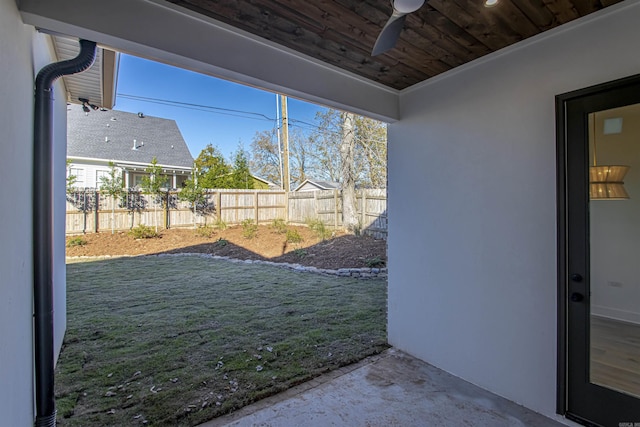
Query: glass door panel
[(614, 249)]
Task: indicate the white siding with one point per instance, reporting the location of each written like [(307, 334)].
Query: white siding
[(472, 285), (90, 172)]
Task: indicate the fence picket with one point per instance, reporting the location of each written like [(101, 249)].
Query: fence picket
[(88, 210)]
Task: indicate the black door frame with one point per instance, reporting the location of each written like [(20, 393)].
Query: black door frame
[(584, 98)]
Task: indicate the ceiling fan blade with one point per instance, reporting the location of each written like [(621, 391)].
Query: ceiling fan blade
[(390, 33)]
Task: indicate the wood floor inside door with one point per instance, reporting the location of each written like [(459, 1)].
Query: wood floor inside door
[(615, 355)]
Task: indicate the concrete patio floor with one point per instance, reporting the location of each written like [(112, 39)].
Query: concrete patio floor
[(391, 389)]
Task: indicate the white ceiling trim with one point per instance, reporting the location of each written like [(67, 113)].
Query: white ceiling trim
[(92, 83)]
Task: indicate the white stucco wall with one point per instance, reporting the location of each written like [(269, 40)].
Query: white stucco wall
[(21, 52), (16, 106), (472, 210)]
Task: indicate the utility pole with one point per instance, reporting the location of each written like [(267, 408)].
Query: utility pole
[(279, 144), (285, 142)]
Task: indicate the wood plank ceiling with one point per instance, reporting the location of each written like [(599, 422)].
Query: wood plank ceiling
[(441, 35)]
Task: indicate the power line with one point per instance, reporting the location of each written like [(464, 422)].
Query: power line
[(301, 124), (199, 107)]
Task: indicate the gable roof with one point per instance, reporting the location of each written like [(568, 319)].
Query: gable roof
[(257, 178), (110, 135), (322, 185)]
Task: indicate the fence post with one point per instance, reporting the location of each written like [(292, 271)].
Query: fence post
[(364, 208), (335, 210), (255, 201), (315, 204), (286, 207), (97, 202), (84, 211), (219, 205), (167, 219)]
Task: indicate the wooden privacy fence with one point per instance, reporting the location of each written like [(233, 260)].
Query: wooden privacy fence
[(90, 211)]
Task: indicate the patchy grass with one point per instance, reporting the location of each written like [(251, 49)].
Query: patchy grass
[(279, 225), (319, 228), (181, 340), (375, 262), (143, 232), (249, 229), (207, 231), (76, 241), (293, 236)]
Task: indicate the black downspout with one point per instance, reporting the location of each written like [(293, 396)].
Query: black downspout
[(43, 227)]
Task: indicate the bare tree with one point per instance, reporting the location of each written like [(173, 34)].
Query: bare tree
[(318, 155), (264, 156), (302, 161), (371, 144), (326, 142)]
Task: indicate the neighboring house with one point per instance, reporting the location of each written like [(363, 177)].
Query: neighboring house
[(478, 279), (130, 141), (263, 184), (313, 185)]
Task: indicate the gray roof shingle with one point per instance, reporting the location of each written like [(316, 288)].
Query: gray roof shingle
[(109, 135), (326, 184)]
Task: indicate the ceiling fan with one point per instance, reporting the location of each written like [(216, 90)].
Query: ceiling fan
[(392, 29)]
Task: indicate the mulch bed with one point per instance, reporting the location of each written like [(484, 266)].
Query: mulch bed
[(340, 251)]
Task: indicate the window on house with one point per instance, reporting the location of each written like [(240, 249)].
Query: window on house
[(180, 181), (99, 175), (79, 175), (137, 180)]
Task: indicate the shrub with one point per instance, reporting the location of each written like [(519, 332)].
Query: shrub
[(375, 262), (143, 232), (249, 229), (76, 241), (319, 228), (222, 242), (300, 253), (220, 225), (205, 231), (279, 225), (293, 236), (357, 229)]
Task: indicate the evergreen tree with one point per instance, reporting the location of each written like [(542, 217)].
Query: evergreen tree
[(214, 172), (241, 176)]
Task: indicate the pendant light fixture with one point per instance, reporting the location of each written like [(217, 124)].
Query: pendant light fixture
[(606, 182)]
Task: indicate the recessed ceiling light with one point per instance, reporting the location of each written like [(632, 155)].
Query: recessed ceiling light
[(490, 3)]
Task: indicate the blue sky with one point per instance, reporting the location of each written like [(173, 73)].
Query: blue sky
[(256, 109)]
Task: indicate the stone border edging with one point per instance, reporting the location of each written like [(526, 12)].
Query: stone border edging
[(359, 273)]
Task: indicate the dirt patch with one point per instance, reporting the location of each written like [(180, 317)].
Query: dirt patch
[(340, 251)]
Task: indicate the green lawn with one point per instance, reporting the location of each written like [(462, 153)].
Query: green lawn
[(181, 340)]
